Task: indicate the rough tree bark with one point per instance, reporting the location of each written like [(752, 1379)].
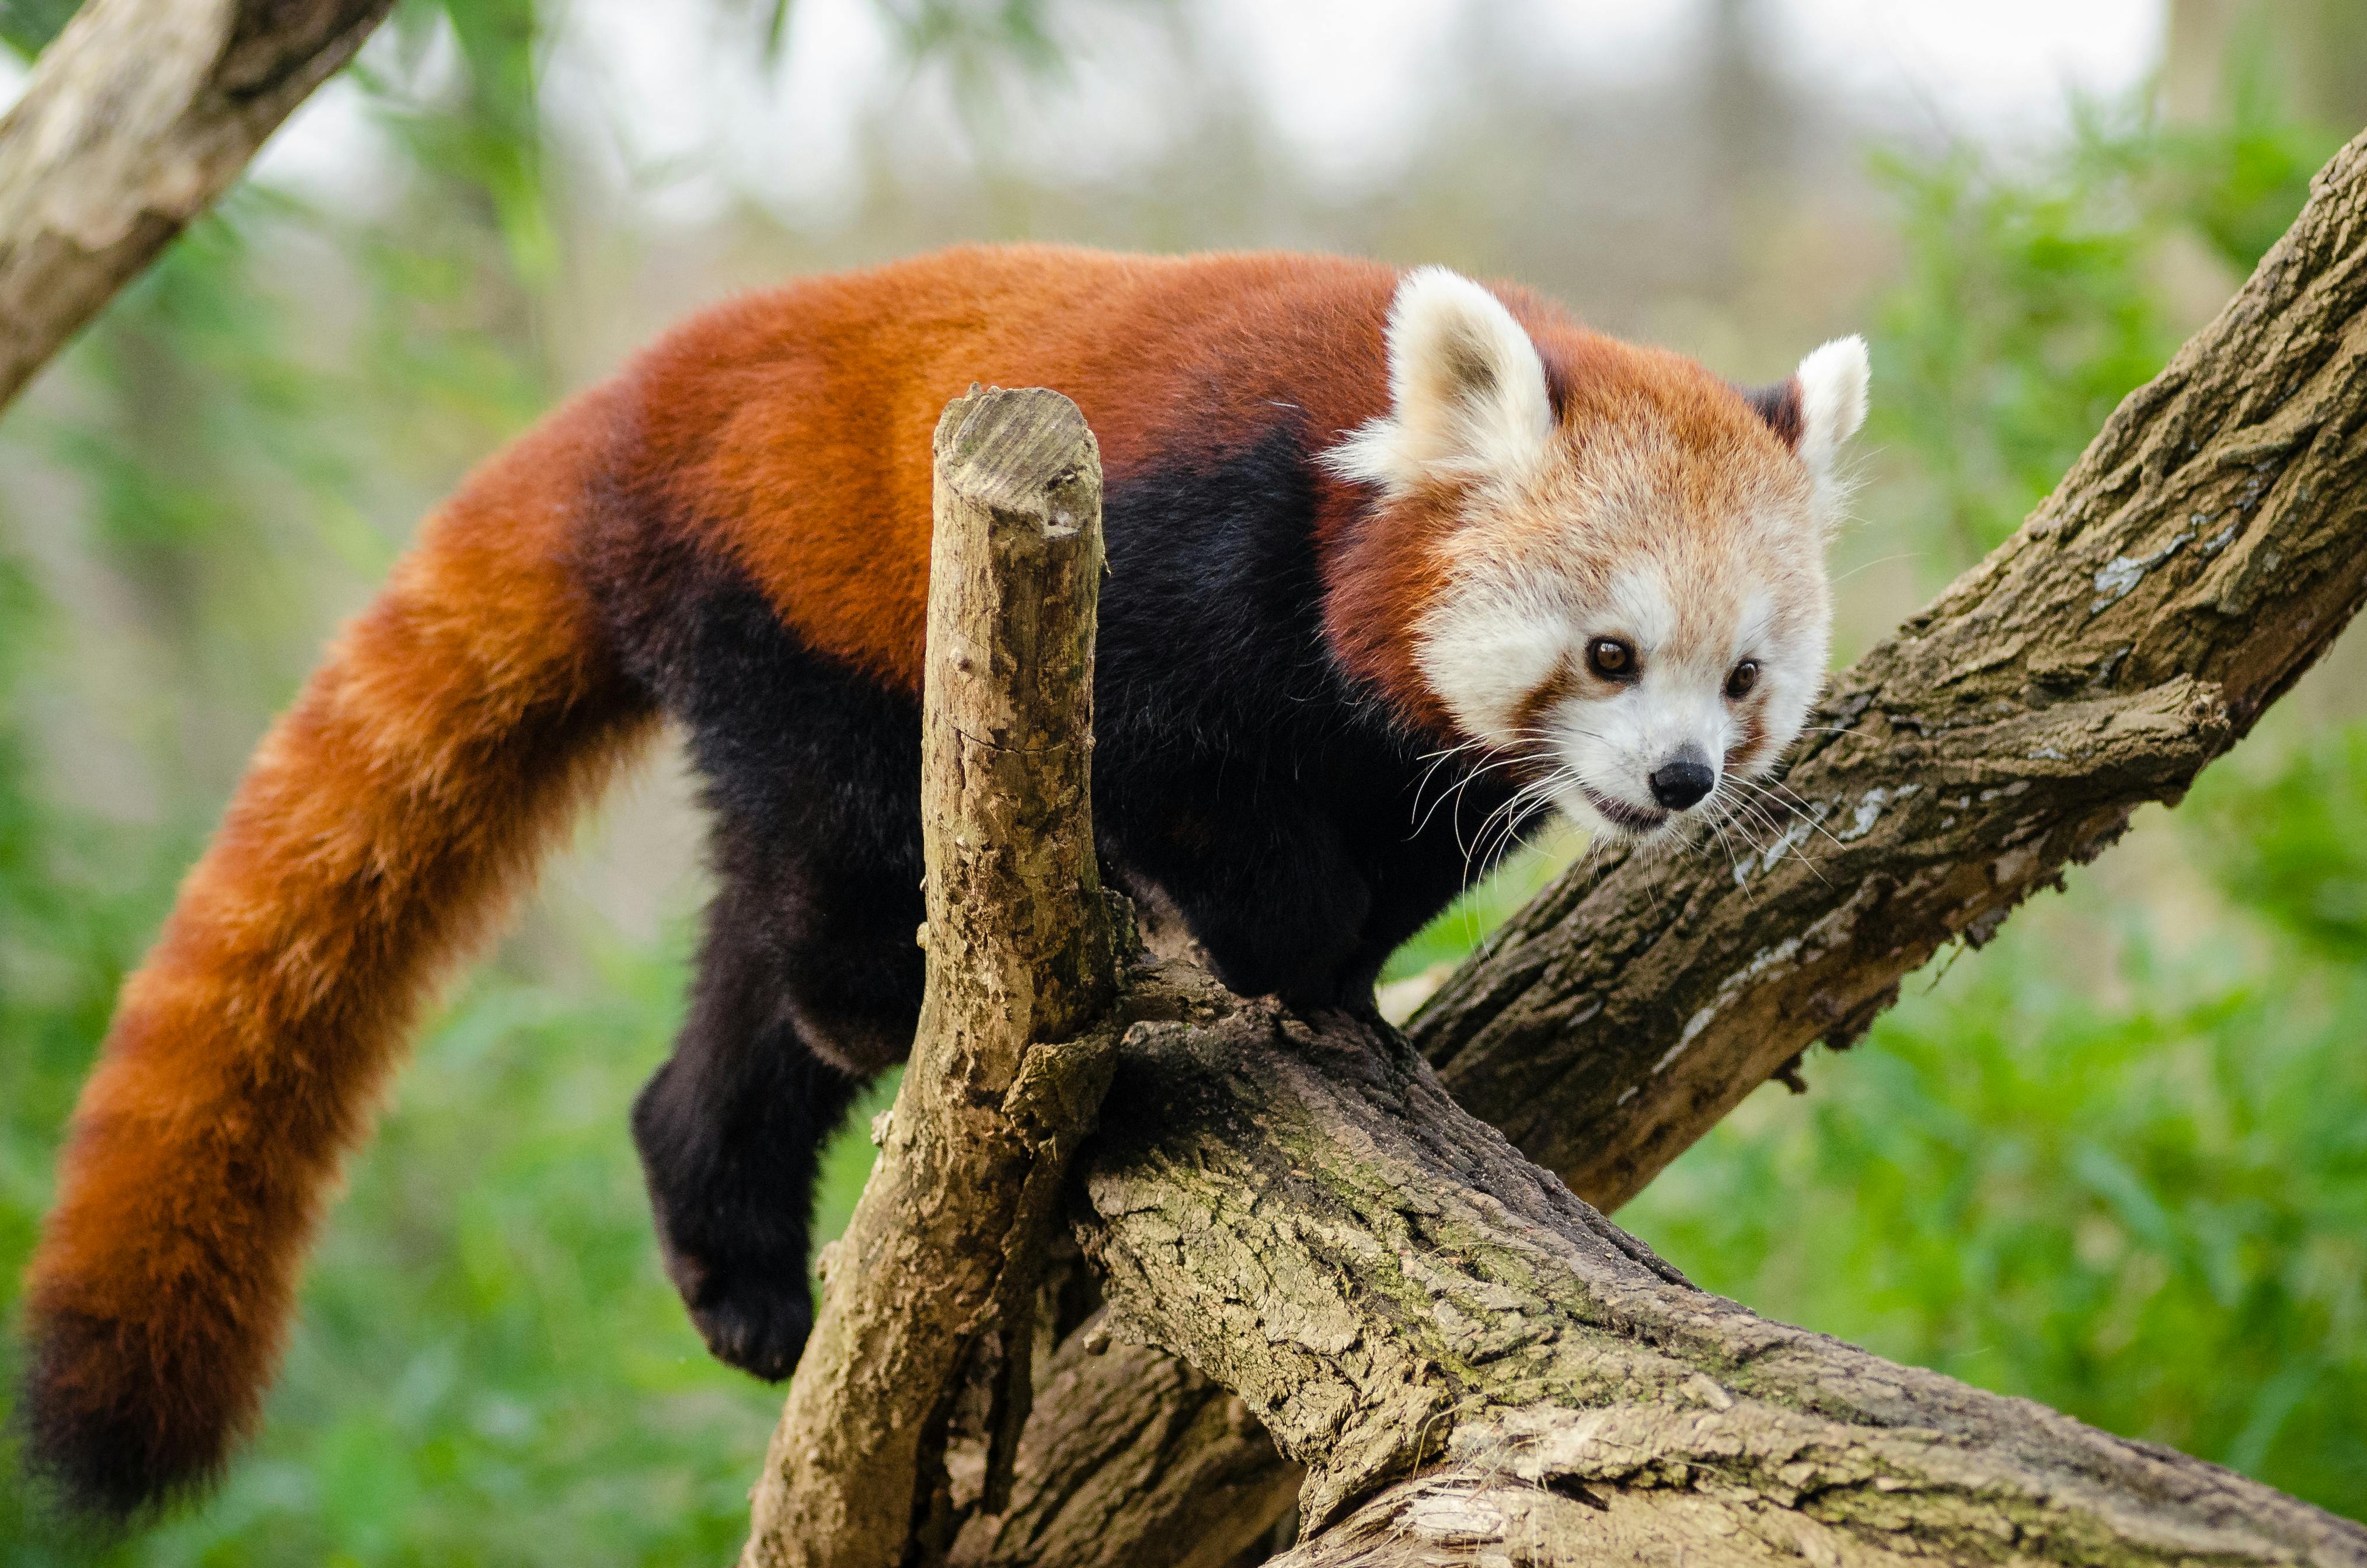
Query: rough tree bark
[(1134, 1457), (933, 1290), (1477, 1368), (138, 116), (2200, 556)]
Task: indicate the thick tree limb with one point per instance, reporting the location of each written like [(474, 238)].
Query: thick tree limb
[(2204, 551), (933, 1290), (1194, 1484), (1477, 1368), (138, 116)]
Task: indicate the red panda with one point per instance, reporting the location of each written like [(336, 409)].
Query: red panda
[(1362, 526)]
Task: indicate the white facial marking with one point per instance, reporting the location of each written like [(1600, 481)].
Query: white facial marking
[(1670, 709), (1488, 648), (1753, 626), (1508, 650), (1639, 609), (1695, 558)]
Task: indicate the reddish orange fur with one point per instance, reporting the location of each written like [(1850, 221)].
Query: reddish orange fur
[(460, 719), (378, 829), (796, 423)]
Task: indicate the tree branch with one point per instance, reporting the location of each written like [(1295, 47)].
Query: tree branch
[(1478, 1368), (2196, 560), (138, 116), (1134, 1460), (932, 1291)]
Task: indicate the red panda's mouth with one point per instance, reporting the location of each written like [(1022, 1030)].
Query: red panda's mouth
[(1622, 816)]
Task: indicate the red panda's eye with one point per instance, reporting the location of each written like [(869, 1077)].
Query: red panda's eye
[(1610, 658), (1745, 676)]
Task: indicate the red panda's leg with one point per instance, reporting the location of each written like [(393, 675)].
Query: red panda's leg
[(810, 979), (808, 985), (731, 1132)]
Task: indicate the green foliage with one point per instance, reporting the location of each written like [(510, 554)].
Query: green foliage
[(193, 405), (68, 931), (2034, 299), (2294, 847), (28, 26), (1464, 925), (481, 135), (976, 37)]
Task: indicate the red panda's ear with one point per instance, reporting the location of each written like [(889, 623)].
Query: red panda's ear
[(1779, 405), (1820, 406), (1832, 382), (1468, 395)]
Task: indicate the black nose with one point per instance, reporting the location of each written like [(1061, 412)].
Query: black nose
[(1683, 781)]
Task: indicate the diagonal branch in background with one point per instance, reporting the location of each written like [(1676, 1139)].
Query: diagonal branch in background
[(138, 116), (933, 1290), (2206, 549)]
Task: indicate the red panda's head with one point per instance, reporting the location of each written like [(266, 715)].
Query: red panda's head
[(1623, 582)]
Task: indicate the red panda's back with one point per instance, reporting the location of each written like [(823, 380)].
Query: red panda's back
[(794, 426)]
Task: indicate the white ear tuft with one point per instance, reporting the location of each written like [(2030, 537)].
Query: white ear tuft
[(1832, 402), (1467, 391)]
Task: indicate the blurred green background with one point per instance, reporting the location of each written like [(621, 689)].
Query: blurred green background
[(2116, 1161)]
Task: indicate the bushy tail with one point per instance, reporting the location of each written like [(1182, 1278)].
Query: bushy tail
[(375, 836)]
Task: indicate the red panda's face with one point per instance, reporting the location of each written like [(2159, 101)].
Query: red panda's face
[(1631, 604)]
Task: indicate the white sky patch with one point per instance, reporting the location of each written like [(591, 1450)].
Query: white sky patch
[(694, 119), (791, 140), (317, 152), (1349, 84), (672, 100), (1998, 68), (1606, 39), (1343, 82)]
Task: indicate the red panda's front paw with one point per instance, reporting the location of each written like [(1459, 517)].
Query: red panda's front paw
[(756, 1321), (757, 1332)]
